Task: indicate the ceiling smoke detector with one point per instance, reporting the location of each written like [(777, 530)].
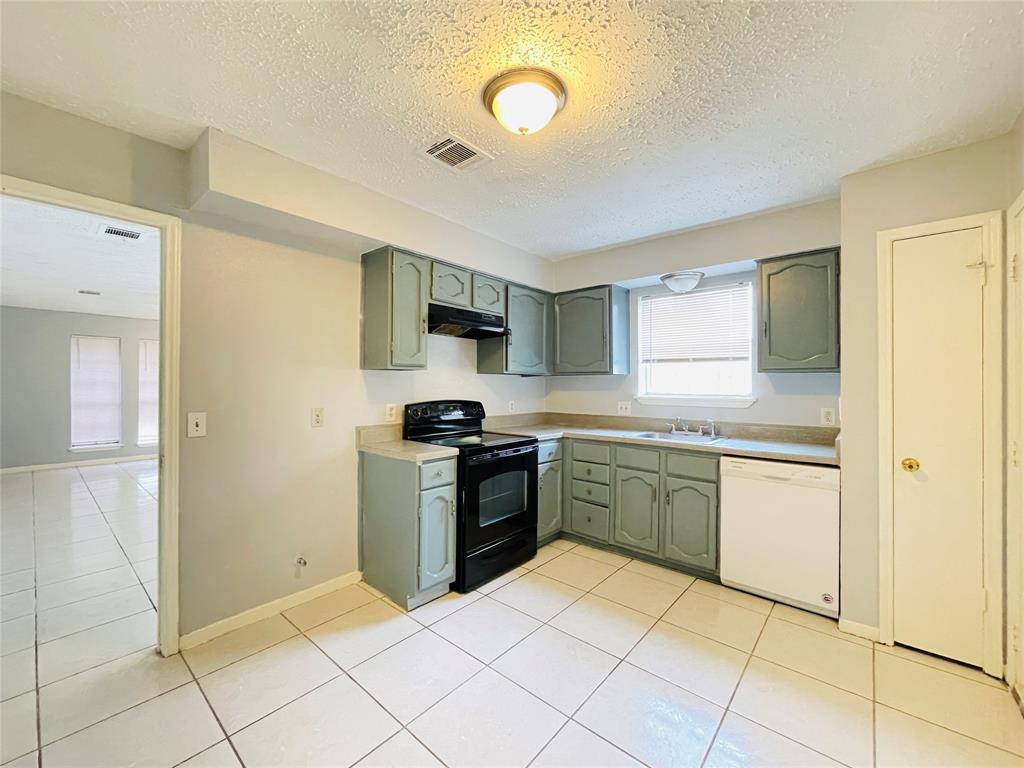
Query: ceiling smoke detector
[(456, 153)]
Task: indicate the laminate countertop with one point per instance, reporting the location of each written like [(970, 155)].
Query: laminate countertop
[(410, 450), (805, 453)]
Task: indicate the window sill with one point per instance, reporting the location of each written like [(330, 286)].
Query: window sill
[(696, 401), (91, 448), (148, 444)]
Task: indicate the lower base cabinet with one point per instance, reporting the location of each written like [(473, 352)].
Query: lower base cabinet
[(437, 537), (636, 510), (549, 499), (691, 523)]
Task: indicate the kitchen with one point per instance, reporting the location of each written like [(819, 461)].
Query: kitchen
[(682, 491)]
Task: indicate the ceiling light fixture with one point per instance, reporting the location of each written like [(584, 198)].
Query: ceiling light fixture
[(681, 282), (524, 100)]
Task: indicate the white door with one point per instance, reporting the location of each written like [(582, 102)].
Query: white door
[(938, 444)]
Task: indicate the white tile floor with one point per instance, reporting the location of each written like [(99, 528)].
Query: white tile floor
[(581, 658)]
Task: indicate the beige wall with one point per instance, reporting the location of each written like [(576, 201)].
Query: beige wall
[(962, 181), (269, 330), (775, 233)]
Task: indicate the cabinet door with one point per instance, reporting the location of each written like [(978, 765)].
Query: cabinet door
[(450, 285), (636, 510), (581, 332), (549, 498), (529, 325), (437, 536), (410, 277), (488, 295), (691, 523), (799, 313)]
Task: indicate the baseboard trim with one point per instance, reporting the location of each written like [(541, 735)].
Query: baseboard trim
[(265, 611), (82, 463), (860, 630)]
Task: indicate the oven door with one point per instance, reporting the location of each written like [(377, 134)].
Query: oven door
[(500, 495)]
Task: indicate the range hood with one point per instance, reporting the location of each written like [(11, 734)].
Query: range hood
[(463, 322)]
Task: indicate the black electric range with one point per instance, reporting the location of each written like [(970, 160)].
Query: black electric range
[(496, 488)]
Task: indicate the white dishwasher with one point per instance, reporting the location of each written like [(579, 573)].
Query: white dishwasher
[(779, 531)]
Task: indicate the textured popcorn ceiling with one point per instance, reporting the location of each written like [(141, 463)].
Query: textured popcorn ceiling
[(679, 113)]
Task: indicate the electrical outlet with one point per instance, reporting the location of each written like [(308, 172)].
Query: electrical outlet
[(511, 406), (316, 417), (390, 413), (828, 417), (625, 408), (196, 424)]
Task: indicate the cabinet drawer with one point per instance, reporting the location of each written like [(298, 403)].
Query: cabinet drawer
[(594, 452), (549, 451), (691, 465), (637, 458), (598, 494), (595, 473), (437, 473), (589, 520)]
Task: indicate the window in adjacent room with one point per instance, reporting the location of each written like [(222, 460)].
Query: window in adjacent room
[(697, 344), (95, 392), (149, 392)]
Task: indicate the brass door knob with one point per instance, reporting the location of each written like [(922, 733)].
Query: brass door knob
[(910, 465)]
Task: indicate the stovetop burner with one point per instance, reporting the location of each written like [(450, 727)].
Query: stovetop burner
[(485, 439), (456, 424)]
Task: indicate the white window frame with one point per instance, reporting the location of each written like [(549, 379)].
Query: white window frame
[(111, 445), (698, 401), (138, 412)]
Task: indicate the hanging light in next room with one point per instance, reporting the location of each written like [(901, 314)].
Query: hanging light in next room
[(524, 100)]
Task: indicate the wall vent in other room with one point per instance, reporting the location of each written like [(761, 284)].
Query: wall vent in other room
[(456, 153), (120, 232)]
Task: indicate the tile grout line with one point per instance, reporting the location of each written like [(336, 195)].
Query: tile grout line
[(35, 632), (216, 718)]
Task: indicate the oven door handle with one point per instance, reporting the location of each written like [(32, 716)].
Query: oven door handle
[(487, 458)]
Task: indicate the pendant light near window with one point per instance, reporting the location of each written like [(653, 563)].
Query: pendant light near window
[(681, 282), (524, 100)]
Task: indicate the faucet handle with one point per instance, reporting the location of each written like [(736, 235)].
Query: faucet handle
[(671, 427)]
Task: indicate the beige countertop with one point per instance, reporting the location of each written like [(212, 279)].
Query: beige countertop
[(807, 453), (409, 450)]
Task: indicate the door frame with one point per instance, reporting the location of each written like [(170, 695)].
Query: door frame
[(1014, 442), (991, 224), (170, 379)]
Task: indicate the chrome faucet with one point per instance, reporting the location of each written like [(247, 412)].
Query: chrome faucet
[(673, 427), (711, 429)]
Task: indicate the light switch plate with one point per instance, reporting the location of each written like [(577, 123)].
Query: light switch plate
[(511, 406), (625, 408), (828, 417), (196, 424), (390, 413), (316, 417)]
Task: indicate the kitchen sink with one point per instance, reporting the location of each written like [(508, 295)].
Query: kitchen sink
[(680, 437)]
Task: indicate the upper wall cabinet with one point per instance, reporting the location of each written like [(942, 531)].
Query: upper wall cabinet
[(450, 285), (592, 331), (488, 295), (799, 312), (527, 348), (396, 289)]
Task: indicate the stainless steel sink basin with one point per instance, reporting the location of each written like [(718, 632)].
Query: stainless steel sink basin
[(680, 437)]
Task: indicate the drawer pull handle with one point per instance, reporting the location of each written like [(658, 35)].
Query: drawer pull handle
[(588, 471), (438, 474), (589, 492), (589, 520)]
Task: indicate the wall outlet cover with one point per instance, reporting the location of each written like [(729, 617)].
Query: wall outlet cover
[(316, 417), (196, 425), (625, 408), (390, 413), (828, 417)]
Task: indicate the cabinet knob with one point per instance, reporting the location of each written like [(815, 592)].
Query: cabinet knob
[(588, 471), (589, 492), (910, 465), (438, 474), (589, 520)]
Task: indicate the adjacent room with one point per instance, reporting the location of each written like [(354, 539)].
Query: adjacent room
[(490, 384)]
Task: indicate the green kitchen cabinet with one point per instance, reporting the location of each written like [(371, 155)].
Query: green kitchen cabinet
[(450, 285), (691, 523), (549, 499), (527, 347), (396, 290), (592, 331), (636, 510), (488, 294), (407, 527), (798, 312)]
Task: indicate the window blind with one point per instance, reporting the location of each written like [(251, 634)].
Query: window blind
[(149, 391), (713, 324), (95, 391)]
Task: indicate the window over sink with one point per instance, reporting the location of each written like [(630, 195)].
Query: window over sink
[(697, 345)]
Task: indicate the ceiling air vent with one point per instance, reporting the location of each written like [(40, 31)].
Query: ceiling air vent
[(456, 153), (120, 232)]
